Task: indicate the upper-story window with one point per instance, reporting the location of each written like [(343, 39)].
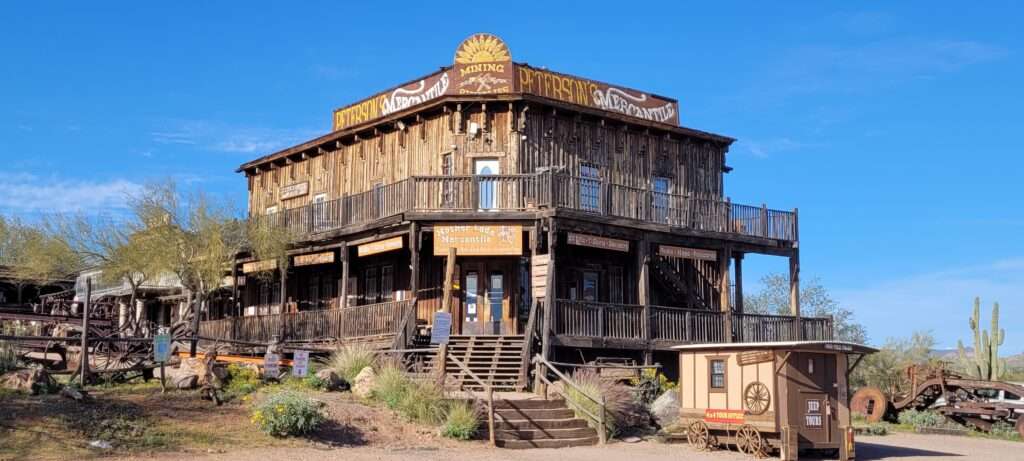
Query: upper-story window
[(320, 211), (590, 187), (660, 198)]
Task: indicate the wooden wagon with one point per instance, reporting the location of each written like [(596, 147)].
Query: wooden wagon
[(761, 397)]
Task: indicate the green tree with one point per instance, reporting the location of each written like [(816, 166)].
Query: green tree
[(815, 301), (33, 256), (885, 368)]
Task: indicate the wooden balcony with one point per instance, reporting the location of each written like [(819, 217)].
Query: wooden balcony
[(535, 192), (620, 324)]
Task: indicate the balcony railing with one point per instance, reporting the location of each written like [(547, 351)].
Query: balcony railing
[(526, 192), (673, 324)]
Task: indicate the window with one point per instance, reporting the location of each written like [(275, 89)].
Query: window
[(1010, 396), (717, 369), (372, 287), (615, 284), (591, 280), (590, 187), (487, 187), (471, 296), (387, 278), (448, 190), (320, 211), (660, 198), (496, 298)]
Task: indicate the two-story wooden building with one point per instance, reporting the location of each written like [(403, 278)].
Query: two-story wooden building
[(583, 219)]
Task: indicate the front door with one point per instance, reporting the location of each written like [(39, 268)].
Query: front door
[(816, 396), (486, 298), (487, 193)]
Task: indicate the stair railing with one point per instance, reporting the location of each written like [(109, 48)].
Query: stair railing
[(543, 366), (405, 325), (489, 389), (524, 363)]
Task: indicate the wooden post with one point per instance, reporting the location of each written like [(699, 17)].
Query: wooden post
[(284, 287), (449, 274), (738, 269), (234, 289), (549, 303), (343, 295), (414, 259), (723, 289), (84, 356), (643, 294), (193, 343), (794, 291)]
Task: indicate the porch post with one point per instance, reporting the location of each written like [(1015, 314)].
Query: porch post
[(794, 291), (234, 288), (414, 259), (738, 272), (343, 293), (549, 302), (723, 291), (284, 286), (643, 294)]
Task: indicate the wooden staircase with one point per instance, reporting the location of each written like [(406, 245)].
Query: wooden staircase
[(495, 359), (538, 423)]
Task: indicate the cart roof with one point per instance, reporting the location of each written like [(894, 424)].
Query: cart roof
[(823, 346)]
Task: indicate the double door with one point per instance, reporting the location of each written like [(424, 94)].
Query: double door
[(486, 297)]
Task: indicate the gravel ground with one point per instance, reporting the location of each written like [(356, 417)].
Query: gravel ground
[(897, 446)]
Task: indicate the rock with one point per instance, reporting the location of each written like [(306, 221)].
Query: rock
[(362, 386), (666, 408), (193, 366), (73, 393), (333, 381), (186, 381), (31, 380), (632, 439), (100, 444), (221, 372)]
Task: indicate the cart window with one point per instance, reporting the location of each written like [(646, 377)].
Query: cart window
[(717, 374), (1010, 396)]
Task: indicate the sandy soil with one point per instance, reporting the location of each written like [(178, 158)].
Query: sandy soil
[(899, 446)]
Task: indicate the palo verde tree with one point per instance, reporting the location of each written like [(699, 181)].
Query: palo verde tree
[(985, 363), (31, 255), (815, 301)]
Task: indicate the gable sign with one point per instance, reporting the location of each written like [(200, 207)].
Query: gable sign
[(594, 241), (483, 65), (687, 253)]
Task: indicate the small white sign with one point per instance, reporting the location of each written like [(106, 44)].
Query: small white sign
[(271, 365), (300, 364)]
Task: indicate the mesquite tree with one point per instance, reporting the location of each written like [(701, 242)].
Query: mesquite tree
[(985, 363)]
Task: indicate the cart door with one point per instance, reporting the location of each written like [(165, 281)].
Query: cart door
[(815, 401)]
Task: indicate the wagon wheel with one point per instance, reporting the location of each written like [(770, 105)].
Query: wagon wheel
[(757, 398), (749, 441), (698, 436), (870, 402)]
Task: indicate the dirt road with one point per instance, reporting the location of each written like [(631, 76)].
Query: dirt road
[(899, 446)]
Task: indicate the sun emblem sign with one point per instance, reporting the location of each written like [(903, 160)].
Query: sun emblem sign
[(482, 48)]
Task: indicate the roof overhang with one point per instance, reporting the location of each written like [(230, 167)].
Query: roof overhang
[(813, 346)]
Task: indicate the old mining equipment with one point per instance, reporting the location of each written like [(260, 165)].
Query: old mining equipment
[(760, 397), (970, 402)]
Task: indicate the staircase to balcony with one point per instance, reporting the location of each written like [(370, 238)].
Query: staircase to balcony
[(680, 289), (496, 359)]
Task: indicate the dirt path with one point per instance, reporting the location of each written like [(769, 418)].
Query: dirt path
[(903, 447)]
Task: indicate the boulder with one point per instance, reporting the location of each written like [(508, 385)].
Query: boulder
[(193, 366), (73, 393), (666, 408), (31, 380), (363, 385), (221, 372), (186, 381), (333, 381)]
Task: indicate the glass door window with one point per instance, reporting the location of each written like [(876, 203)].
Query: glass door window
[(487, 192), (660, 199), (472, 302), (319, 212), (496, 301), (591, 282), (590, 188)]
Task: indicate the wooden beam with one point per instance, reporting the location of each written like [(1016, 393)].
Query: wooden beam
[(414, 257), (449, 274), (643, 249), (549, 302), (794, 292), (723, 290), (738, 272), (343, 294)]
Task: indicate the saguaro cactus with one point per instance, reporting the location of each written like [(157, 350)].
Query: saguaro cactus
[(985, 363)]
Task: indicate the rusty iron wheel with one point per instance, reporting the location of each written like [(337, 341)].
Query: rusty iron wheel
[(757, 398), (870, 402), (749, 441), (698, 436)]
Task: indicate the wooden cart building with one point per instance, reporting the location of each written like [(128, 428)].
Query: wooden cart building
[(789, 395), (584, 220)]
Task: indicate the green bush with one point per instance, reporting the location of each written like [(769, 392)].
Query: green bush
[(621, 409), (288, 413), (423, 402), (924, 418), (350, 360), (1004, 430), (461, 422), (391, 386), (241, 381), (876, 429)]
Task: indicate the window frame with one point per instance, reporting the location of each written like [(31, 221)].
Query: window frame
[(724, 359)]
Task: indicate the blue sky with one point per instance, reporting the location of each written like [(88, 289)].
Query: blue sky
[(892, 127)]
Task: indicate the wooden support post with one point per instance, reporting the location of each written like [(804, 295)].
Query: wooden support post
[(723, 289), (449, 274), (414, 259), (549, 302), (84, 356), (738, 272), (343, 293), (643, 293), (284, 288), (234, 288), (194, 343), (794, 291)]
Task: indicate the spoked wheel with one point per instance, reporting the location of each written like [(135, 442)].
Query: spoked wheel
[(749, 441), (698, 436)]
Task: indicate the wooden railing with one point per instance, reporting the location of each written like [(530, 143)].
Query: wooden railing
[(544, 385), (311, 326), (521, 192), (674, 324)]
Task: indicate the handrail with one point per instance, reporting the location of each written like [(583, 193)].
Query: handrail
[(402, 330), (543, 365), (528, 343), (490, 394)]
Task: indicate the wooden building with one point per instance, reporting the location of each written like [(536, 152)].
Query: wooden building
[(584, 220)]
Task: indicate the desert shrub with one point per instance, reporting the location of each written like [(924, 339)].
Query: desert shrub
[(1004, 430), (288, 413), (923, 418), (350, 360), (461, 422), (241, 381), (650, 385), (307, 383), (391, 386), (423, 402), (876, 429), (621, 408), (8, 356)]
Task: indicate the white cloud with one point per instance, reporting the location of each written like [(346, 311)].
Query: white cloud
[(28, 193), (768, 147), (222, 137), (941, 301)]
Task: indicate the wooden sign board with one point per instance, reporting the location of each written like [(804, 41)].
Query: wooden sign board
[(752, 357), (479, 240), (294, 190), (380, 246), (483, 65), (539, 274), (594, 241), (687, 253), (442, 328), (723, 416), (326, 257), (259, 266)]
